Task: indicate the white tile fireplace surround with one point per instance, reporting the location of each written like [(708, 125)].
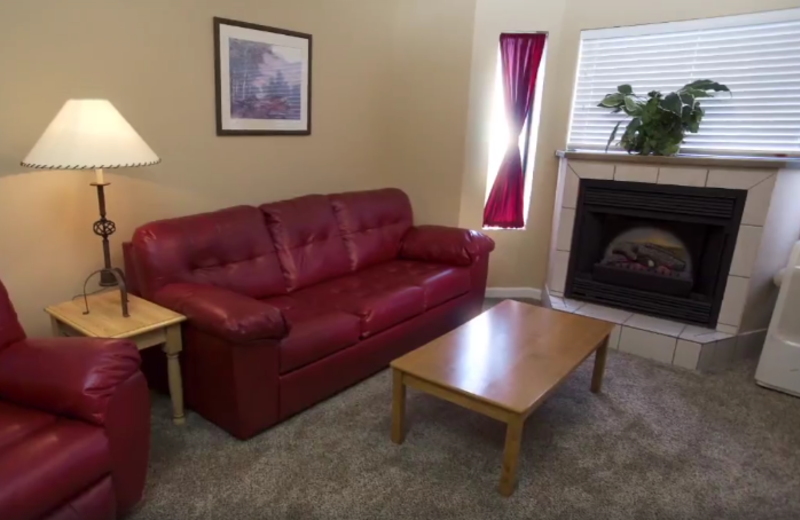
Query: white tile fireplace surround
[(770, 226)]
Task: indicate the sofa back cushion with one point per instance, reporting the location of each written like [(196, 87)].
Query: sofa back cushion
[(373, 224), (230, 248), (10, 329), (308, 240)]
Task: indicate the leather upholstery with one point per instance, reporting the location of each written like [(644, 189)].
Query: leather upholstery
[(17, 423), (131, 279), (439, 283), (227, 314), (96, 503), (127, 426), (10, 329), (311, 384), (232, 385), (317, 331), (373, 223), (70, 377), (308, 240), (231, 249), (385, 308), (317, 337), (361, 286), (333, 315), (445, 245), (50, 466), (478, 276), (379, 303), (74, 426)]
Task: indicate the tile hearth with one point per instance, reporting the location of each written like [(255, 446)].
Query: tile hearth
[(665, 341)]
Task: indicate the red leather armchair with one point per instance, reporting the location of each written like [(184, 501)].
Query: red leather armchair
[(294, 301), (74, 425)]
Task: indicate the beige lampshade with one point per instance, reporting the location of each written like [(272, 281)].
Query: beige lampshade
[(89, 134)]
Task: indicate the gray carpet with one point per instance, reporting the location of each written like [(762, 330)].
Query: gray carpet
[(658, 443)]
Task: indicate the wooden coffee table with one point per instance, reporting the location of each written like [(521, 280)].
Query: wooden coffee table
[(503, 364)]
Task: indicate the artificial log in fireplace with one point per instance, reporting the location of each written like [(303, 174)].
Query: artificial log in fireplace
[(654, 249)]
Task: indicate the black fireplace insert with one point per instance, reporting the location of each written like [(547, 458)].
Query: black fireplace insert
[(654, 249)]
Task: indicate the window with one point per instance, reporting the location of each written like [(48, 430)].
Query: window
[(501, 127), (757, 56)]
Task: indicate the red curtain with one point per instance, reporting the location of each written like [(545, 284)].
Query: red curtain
[(521, 55)]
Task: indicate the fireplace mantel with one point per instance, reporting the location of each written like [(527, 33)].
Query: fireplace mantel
[(707, 161)]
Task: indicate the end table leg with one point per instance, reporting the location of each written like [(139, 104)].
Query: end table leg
[(599, 366), (508, 479), (398, 408), (55, 327), (172, 348)]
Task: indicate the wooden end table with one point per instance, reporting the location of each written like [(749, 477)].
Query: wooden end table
[(148, 325), (502, 364)]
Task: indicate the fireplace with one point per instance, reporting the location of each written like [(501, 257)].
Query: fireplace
[(654, 249)]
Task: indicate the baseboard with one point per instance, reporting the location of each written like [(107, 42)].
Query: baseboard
[(514, 292)]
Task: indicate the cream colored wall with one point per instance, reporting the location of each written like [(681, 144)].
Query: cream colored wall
[(373, 61), (401, 97), (429, 104), (521, 256)]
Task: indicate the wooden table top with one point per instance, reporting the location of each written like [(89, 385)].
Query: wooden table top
[(511, 356), (105, 316)]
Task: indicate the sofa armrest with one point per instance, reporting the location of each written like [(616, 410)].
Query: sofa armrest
[(223, 313), (73, 377), (445, 245)]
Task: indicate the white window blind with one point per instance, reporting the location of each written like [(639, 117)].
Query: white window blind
[(757, 56)]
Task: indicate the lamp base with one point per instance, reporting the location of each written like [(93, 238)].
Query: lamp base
[(107, 279), (119, 279), (105, 228)]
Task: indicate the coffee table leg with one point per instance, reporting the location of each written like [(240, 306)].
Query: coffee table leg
[(599, 366), (172, 348), (508, 479), (398, 408)]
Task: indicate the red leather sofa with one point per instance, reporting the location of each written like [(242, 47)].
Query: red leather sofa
[(74, 425), (294, 301)]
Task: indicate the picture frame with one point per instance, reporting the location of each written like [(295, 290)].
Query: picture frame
[(263, 79)]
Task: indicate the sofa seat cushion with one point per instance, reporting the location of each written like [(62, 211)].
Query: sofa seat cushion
[(380, 301), (316, 331), (98, 503), (52, 464), (439, 283), (18, 423), (382, 308)]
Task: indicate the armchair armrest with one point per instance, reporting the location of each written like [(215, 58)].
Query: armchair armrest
[(445, 245), (73, 377), (229, 315)]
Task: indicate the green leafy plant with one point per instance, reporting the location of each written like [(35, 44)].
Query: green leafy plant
[(660, 122)]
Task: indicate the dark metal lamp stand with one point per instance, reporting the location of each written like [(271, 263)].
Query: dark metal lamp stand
[(109, 276), (105, 228)]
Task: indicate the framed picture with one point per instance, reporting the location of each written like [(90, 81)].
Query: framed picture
[(263, 79)]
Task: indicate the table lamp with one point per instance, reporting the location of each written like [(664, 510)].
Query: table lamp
[(90, 134)]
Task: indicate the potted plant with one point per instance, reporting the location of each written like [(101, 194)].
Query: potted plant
[(660, 122)]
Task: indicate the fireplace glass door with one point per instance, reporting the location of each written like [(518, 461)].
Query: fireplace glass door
[(654, 249)]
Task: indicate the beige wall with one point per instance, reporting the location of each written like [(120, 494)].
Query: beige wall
[(373, 61), (429, 101), (521, 256), (401, 97)]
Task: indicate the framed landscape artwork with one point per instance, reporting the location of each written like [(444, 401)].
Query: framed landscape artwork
[(263, 79)]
